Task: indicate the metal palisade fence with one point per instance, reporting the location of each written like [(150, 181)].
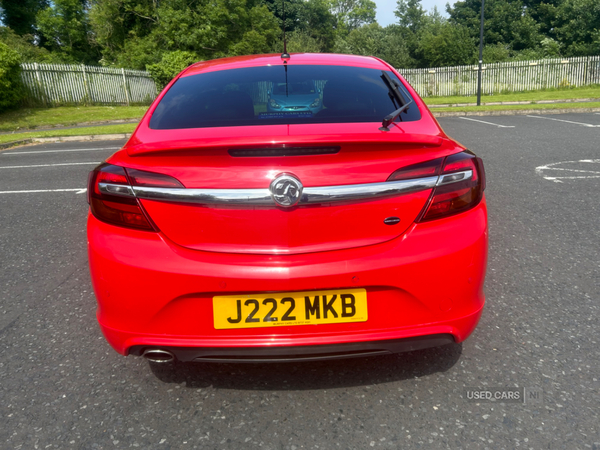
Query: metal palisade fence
[(513, 76), (62, 84)]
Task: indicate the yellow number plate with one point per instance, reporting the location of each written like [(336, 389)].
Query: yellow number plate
[(290, 308)]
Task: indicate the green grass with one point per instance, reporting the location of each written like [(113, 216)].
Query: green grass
[(541, 107), (104, 129), (533, 96), (31, 118)]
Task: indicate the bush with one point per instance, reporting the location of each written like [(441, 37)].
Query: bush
[(169, 67), (11, 88), (29, 52), (495, 53)]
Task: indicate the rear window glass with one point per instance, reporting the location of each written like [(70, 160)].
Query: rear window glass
[(279, 95)]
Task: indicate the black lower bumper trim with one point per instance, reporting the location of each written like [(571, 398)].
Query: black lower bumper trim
[(300, 353)]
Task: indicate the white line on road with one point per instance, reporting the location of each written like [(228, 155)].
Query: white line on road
[(542, 170), (487, 123), (50, 165), (557, 179), (61, 151), (566, 121), (77, 191), (572, 170)]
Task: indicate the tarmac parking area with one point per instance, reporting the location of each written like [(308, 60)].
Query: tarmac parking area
[(63, 387)]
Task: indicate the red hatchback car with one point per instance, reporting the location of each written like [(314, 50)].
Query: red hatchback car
[(333, 219)]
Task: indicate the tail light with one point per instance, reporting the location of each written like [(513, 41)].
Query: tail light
[(459, 187), (426, 169), (112, 199)]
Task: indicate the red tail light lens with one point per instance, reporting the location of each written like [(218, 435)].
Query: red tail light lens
[(118, 205), (143, 178), (451, 195), (115, 208), (425, 169)]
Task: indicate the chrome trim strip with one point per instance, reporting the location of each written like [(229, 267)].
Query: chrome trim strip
[(328, 194), (116, 189), (262, 197), (455, 177), (207, 196)]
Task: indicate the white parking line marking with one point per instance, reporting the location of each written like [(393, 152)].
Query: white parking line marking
[(572, 170), (35, 191), (567, 121), (487, 123), (61, 151), (50, 165), (541, 170)]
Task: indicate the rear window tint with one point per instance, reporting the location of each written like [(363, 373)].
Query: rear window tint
[(279, 95)]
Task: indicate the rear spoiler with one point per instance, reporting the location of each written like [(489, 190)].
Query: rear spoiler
[(173, 146)]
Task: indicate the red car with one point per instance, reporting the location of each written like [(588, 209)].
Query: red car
[(345, 223)]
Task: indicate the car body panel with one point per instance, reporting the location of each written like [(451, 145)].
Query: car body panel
[(155, 289), (271, 230), (154, 292)]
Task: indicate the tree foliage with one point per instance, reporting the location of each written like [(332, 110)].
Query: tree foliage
[(67, 32), (138, 35), (449, 45), (386, 43), (24, 47), (170, 65), (163, 35), (20, 15), (351, 14), (577, 27), (11, 90), (534, 28)]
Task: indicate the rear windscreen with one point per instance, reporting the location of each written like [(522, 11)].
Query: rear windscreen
[(280, 95)]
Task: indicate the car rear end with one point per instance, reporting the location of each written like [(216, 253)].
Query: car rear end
[(375, 242)]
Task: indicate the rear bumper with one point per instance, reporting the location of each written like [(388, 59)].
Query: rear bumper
[(153, 293), (301, 352)]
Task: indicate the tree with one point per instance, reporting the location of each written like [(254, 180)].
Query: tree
[(293, 12), (319, 23), (351, 14), (496, 53), (410, 14), (66, 27), (27, 51), (117, 23), (216, 28), (11, 90), (20, 15), (577, 27), (300, 42), (169, 67), (373, 40), (143, 33), (450, 45), (431, 40), (506, 22), (544, 13)]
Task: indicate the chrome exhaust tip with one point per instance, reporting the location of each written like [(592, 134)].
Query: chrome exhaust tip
[(157, 355)]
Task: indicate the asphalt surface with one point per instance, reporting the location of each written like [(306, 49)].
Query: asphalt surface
[(63, 387)]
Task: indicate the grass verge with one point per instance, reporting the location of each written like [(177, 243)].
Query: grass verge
[(540, 107), (31, 118), (533, 96), (105, 129)]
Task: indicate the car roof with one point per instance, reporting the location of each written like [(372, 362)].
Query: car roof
[(238, 62)]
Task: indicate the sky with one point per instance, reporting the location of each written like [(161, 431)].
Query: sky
[(385, 9)]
